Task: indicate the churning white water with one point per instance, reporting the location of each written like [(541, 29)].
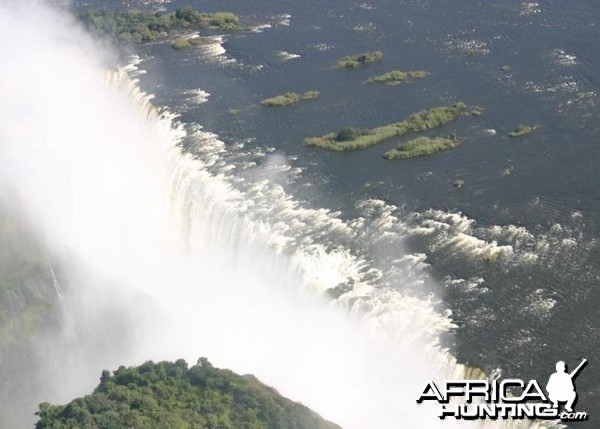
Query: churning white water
[(165, 255)]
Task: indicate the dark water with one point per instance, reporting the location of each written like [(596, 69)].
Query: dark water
[(537, 302)]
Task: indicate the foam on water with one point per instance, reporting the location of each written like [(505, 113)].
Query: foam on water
[(195, 97), (211, 48), (367, 27), (530, 8), (367, 6), (466, 44), (322, 47), (563, 58), (286, 56), (260, 28), (282, 20)]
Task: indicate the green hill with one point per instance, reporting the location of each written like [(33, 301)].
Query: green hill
[(171, 395)]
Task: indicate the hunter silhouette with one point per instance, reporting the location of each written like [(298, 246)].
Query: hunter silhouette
[(560, 386)]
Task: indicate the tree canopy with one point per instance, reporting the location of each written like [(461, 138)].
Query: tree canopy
[(171, 395), (139, 26)]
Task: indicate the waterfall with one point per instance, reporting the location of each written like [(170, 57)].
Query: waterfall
[(252, 251), (56, 284), (255, 223), (169, 253)]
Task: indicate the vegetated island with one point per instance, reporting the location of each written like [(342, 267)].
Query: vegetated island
[(289, 98), (422, 146), (521, 130), (350, 138), (171, 395), (353, 61), (135, 26), (396, 77), (186, 42)]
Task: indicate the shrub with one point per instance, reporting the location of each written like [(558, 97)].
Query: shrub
[(311, 95), (347, 134), (396, 77), (188, 14), (223, 18), (422, 146), (353, 61), (521, 130), (289, 98), (181, 44)]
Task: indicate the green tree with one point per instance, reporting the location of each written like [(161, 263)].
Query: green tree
[(347, 134), (171, 395), (188, 14)]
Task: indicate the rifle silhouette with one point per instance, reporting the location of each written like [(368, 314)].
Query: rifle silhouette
[(579, 367)]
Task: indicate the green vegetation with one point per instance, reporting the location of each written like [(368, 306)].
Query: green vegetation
[(27, 293), (289, 98), (311, 95), (171, 395), (521, 130), (505, 68), (396, 77), (353, 61), (181, 44), (347, 134), (137, 26), (422, 146), (225, 21), (184, 43), (347, 139)]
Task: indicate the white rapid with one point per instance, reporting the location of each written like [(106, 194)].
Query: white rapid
[(165, 255)]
